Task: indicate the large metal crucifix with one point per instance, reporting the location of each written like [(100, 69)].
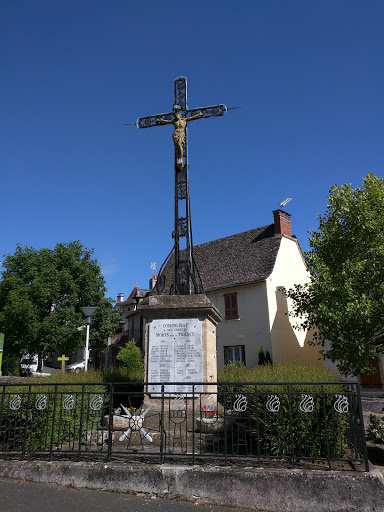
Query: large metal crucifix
[(186, 279)]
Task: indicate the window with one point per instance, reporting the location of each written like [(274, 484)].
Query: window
[(234, 354), (230, 304)]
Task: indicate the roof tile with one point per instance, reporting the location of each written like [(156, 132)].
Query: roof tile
[(239, 259)]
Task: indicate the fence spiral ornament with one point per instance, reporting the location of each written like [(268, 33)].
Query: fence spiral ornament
[(178, 403), (15, 402), (68, 402), (96, 402), (209, 403), (307, 404), (41, 402), (341, 404), (240, 404), (273, 403)]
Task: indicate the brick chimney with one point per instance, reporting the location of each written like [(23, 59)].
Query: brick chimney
[(153, 281), (282, 223)]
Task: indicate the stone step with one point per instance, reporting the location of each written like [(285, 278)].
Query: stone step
[(171, 440)]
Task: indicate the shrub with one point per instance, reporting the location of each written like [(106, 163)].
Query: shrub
[(52, 411), (38, 410), (130, 358), (375, 432), (10, 366), (261, 358), (268, 358), (276, 423), (128, 387)]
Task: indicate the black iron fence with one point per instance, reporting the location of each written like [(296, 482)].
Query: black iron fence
[(315, 425)]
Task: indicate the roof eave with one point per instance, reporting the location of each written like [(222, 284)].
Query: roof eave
[(235, 284)]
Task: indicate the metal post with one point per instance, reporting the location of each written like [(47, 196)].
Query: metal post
[(361, 417), (88, 312), (81, 422), (290, 425), (193, 419), (162, 430), (53, 424), (86, 348), (110, 423), (326, 427), (26, 422)]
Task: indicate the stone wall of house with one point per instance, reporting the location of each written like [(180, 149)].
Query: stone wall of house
[(251, 329), (288, 343)]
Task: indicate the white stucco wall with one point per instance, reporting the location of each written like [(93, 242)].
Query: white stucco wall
[(263, 319), (251, 329), (288, 343)]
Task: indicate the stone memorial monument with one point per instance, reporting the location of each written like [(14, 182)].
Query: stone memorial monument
[(180, 332), (180, 343)]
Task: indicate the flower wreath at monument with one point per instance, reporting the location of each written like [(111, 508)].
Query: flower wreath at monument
[(135, 422)]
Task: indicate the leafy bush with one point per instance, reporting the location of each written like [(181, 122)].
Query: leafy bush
[(130, 358), (261, 357), (10, 366), (292, 419), (264, 359), (130, 369), (52, 412), (375, 432), (128, 386)]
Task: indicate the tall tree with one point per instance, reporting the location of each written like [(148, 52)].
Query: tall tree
[(41, 293), (344, 299)]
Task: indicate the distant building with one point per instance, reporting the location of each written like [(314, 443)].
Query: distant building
[(133, 327)]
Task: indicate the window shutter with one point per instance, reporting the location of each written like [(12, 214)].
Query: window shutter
[(227, 303), (234, 306), (230, 304)]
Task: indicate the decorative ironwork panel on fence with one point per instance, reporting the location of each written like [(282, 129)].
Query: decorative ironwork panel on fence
[(314, 425)]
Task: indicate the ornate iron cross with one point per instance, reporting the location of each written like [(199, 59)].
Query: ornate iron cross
[(186, 278)]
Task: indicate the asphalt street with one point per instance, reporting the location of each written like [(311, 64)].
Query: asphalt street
[(20, 496)]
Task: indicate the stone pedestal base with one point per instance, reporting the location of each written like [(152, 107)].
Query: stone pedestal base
[(180, 307)]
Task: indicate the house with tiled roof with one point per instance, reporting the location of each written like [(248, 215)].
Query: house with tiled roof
[(241, 275)]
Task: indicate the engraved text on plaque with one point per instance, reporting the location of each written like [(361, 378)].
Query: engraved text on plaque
[(175, 354)]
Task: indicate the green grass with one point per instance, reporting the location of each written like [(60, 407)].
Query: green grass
[(281, 372), (94, 376), (96, 381), (112, 374)]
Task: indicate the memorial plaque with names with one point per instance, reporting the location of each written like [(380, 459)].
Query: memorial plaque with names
[(175, 354)]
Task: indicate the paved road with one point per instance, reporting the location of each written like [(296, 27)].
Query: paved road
[(21, 496), (49, 369)]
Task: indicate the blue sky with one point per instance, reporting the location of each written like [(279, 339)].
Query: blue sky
[(308, 76)]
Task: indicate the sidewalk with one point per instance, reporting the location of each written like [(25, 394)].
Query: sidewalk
[(19, 495), (267, 490), (251, 488)]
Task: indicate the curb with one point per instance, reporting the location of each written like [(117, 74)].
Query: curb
[(271, 490)]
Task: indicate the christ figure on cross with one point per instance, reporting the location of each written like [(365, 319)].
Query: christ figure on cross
[(178, 135)]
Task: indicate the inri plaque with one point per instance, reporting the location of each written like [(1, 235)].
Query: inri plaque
[(175, 354)]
